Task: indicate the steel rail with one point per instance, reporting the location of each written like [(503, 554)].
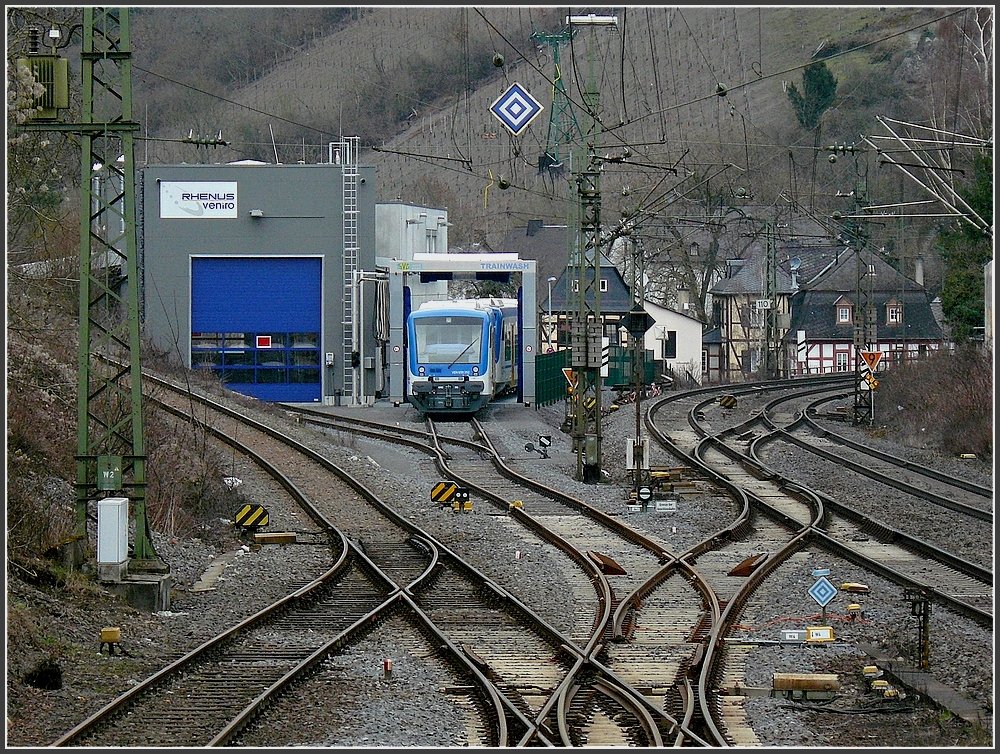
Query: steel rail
[(601, 624), (404, 523), (963, 484), (753, 464), (786, 434)]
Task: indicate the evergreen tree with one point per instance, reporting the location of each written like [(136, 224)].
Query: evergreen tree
[(965, 250), (819, 88)]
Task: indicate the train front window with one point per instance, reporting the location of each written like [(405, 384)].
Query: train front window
[(448, 340)]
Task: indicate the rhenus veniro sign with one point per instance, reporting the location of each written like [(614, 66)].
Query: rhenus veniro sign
[(198, 199)]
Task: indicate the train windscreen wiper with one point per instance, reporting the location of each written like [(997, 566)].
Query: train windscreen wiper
[(464, 351)]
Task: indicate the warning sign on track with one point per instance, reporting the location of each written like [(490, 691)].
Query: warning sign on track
[(443, 491), (251, 516)]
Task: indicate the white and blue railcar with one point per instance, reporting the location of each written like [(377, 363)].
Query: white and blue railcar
[(461, 354)]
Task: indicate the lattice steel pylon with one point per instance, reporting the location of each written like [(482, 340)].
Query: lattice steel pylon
[(563, 126), (865, 322), (587, 328), (111, 452), (772, 368)]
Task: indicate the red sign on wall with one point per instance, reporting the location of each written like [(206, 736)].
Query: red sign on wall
[(263, 341)]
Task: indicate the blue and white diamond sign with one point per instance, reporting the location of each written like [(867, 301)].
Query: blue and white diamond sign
[(823, 591), (515, 108)]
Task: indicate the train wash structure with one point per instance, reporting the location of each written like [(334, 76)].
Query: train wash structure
[(407, 275)]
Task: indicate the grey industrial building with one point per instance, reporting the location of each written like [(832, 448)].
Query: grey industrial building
[(254, 271)]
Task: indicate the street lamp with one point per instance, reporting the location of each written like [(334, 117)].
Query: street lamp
[(551, 281)]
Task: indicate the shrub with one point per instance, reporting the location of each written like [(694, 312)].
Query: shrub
[(944, 403)]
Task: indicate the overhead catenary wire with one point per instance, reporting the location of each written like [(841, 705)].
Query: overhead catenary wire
[(646, 160), (801, 66)]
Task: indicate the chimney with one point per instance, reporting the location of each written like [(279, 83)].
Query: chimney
[(683, 300), (534, 226), (918, 273)]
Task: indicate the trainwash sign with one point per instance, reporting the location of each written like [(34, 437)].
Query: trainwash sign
[(508, 266), (198, 199)]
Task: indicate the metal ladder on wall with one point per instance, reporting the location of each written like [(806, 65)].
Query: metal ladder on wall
[(349, 148)]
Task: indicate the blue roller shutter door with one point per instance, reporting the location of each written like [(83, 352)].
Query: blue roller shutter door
[(256, 322)]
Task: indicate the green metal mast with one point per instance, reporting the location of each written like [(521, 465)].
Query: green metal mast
[(865, 324), (587, 327), (771, 361), (563, 126), (111, 455)]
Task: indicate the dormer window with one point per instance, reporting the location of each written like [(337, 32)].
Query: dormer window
[(604, 285), (843, 310), (893, 312)]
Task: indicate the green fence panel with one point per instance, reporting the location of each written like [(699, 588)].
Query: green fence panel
[(550, 382), (620, 368)]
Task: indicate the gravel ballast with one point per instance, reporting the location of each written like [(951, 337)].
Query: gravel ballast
[(64, 624)]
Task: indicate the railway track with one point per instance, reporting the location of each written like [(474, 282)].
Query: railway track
[(524, 666), (468, 457), (782, 516), (277, 633), (945, 490), (644, 660), (731, 449)]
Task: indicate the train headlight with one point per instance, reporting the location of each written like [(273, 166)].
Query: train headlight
[(475, 370), (420, 370)]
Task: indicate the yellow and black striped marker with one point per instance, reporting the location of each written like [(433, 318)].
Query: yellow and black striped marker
[(728, 401), (589, 403), (443, 491), (251, 516)]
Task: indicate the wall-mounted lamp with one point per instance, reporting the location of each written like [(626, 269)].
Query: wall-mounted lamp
[(256, 213)]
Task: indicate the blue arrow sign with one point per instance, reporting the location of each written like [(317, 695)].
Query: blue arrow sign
[(515, 108), (823, 591)]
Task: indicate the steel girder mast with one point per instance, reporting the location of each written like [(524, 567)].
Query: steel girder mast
[(111, 452)]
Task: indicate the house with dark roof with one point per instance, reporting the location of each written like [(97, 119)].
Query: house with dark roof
[(548, 246), (740, 303), (815, 300), (820, 337)]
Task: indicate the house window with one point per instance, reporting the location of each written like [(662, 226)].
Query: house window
[(669, 348), (843, 314), (894, 315), (576, 286), (842, 362), (604, 285)]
